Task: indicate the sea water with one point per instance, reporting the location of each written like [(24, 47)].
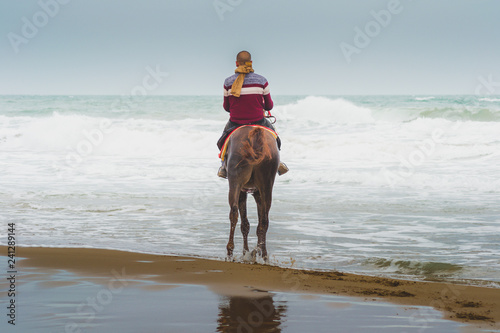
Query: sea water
[(405, 186)]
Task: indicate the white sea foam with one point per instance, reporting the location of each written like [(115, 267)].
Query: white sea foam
[(324, 110), (370, 177), (125, 137), (425, 98)]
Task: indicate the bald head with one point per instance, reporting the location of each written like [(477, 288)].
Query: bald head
[(243, 57)]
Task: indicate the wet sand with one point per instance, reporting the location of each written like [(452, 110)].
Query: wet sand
[(78, 290)]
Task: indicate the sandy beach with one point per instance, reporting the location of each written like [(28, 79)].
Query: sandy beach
[(254, 297)]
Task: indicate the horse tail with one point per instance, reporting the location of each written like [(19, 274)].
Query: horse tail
[(255, 150)]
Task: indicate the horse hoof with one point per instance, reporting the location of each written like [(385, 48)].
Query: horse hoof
[(253, 254), (249, 257)]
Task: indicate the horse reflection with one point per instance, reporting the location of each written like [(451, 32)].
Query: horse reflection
[(250, 315)]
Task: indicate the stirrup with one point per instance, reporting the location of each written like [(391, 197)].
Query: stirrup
[(282, 169), (222, 173)]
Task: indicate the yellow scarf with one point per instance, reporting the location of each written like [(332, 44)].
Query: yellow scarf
[(238, 83)]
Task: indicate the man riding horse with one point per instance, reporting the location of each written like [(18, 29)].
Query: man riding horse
[(246, 98)]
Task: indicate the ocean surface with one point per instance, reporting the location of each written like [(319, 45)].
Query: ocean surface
[(400, 186)]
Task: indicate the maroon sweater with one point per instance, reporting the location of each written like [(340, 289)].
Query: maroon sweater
[(253, 100)]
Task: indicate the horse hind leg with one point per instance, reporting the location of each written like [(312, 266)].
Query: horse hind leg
[(234, 193), (263, 207), (245, 225)]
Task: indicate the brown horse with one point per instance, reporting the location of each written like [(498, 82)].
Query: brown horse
[(252, 159)]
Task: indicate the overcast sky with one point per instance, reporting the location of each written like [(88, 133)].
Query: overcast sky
[(322, 47)]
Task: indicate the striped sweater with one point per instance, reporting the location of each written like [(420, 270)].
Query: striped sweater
[(254, 98)]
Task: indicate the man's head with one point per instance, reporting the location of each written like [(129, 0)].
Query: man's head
[(243, 57)]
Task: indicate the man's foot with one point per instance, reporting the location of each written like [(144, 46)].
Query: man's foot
[(282, 169), (222, 173)]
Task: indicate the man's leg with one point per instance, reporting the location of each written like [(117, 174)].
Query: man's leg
[(282, 169), (230, 126)]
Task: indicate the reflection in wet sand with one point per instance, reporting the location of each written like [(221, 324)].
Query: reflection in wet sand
[(78, 290), (245, 315)]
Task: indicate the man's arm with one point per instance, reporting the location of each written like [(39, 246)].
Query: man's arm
[(268, 101), (226, 99)]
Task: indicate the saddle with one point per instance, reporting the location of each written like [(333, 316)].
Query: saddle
[(223, 148)]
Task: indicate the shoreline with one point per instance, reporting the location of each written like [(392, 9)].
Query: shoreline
[(289, 264), (473, 305)]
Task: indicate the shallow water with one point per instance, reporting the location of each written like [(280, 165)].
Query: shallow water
[(60, 301), (406, 186)]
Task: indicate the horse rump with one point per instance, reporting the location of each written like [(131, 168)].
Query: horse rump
[(254, 149)]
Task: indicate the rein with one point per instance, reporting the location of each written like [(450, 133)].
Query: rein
[(268, 115)]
